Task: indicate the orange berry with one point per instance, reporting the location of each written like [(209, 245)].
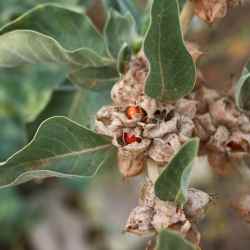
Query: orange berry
[(130, 138), (132, 111)]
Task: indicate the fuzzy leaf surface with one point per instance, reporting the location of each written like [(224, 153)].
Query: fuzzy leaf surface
[(60, 148), (173, 182), (119, 30), (172, 70), (242, 94), (69, 26), (170, 240)]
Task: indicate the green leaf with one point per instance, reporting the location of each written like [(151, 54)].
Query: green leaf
[(173, 182), (170, 240), (95, 77), (172, 70), (119, 30), (60, 148), (124, 58), (125, 7), (12, 135), (28, 89), (70, 27), (242, 94), (80, 106), (16, 216), (29, 47)]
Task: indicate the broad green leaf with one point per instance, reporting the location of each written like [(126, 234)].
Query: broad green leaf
[(170, 240), (79, 105), (172, 70), (60, 148), (12, 135), (128, 6), (71, 28), (242, 94), (28, 47), (119, 30), (28, 89), (95, 77), (173, 182), (16, 216)]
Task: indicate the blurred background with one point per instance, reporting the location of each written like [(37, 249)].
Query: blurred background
[(58, 214)]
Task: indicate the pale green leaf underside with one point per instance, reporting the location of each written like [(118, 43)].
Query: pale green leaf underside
[(60, 148), (71, 28), (173, 182), (172, 70), (170, 240), (83, 66), (242, 94), (119, 30)]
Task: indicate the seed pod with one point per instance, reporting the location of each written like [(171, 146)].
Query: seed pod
[(139, 221), (129, 163), (160, 129), (197, 203), (162, 150), (166, 214)]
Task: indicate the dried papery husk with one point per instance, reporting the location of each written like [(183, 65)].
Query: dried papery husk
[(107, 123), (221, 163), (238, 142), (187, 107), (131, 87), (197, 204), (194, 50), (186, 128), (193, 235), (217, 142), (147, 195), (224, 112), (204, 96), (130, 163), (162, 150), (242, 206), (139, 221), (206, 122), (166, 214), (148, 104), (210, 10), (160, 129)]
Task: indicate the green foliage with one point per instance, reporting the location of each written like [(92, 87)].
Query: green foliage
[(15, 215), (170, 240), (132, 7), (119, 30), (60, 148), (242, 94), (27, 90), (173, 182), (12, 135), (172, 71)]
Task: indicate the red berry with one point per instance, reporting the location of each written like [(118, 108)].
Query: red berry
[(132, 111), (130, 138)]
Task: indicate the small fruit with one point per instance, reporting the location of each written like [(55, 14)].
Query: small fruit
[(133, 111), (130, 138)]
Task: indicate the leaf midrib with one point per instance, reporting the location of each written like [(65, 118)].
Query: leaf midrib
[(61, 156)]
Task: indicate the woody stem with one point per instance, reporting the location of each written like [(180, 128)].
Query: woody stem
[(186, 16), (153, 170)]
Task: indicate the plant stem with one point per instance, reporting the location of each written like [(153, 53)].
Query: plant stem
[(153, 170), (186, 16)]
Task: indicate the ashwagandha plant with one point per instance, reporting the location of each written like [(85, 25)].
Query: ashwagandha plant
[(159, 118)]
